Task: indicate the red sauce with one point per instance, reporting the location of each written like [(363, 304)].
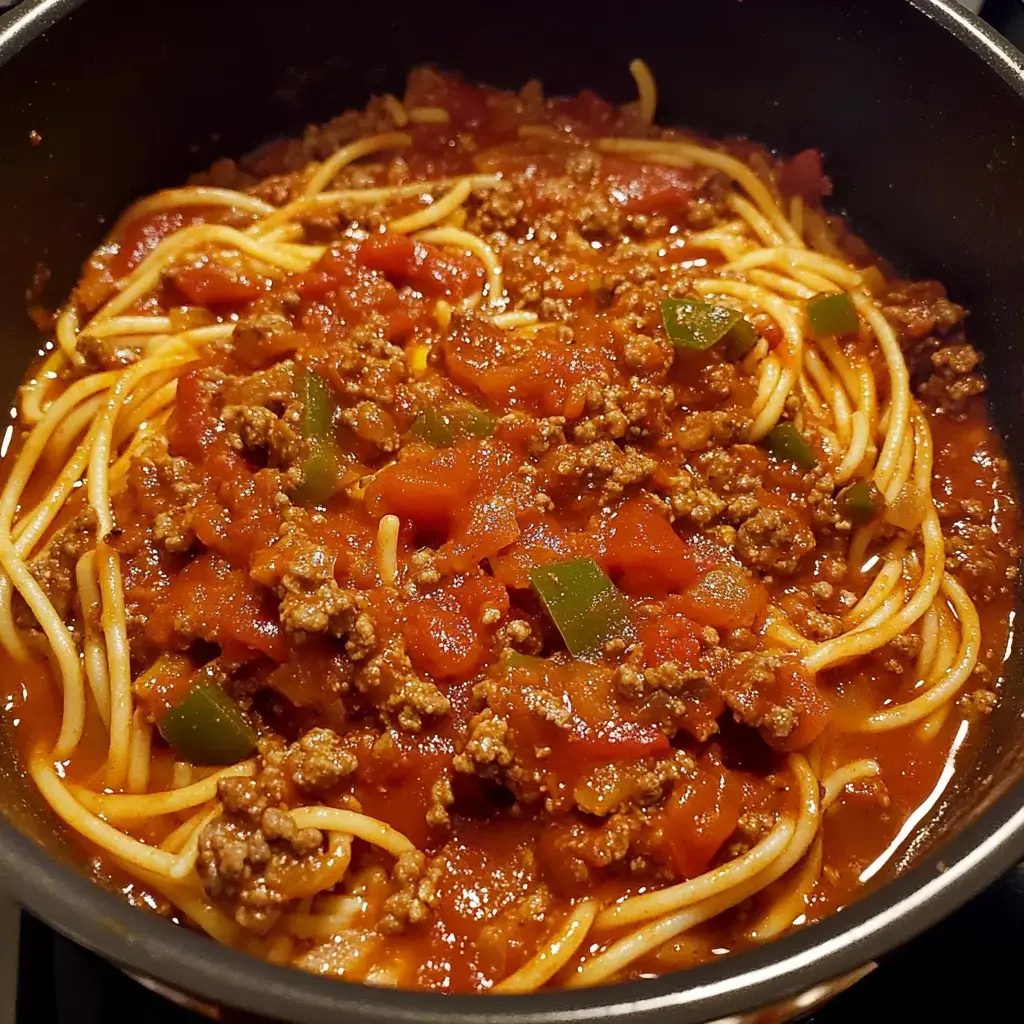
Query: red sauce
[(528, 778)]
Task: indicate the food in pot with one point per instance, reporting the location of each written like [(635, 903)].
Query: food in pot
[(493, 542)]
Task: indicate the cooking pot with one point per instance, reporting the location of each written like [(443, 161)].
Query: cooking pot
[(918, 109)]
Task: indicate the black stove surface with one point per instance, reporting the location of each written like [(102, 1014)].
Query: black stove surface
[(964, 966)]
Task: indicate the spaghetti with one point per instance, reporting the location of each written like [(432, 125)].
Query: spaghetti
[(508, 524)]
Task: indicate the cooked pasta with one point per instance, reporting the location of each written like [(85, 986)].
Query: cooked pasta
[(494, 539)]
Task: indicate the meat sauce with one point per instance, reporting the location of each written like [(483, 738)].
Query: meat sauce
[(447, 705)]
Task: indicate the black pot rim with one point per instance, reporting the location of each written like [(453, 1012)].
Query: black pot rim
[(799, 963)]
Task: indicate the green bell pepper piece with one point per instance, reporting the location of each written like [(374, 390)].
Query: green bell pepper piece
[(321, 473), (584, 604), (322, 469), (318, 406), (860, 502), (443, 427), (785, 444), (208, 727), (699, 325), (832, 314)]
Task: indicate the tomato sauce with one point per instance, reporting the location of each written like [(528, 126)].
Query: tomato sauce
[(382, 381)]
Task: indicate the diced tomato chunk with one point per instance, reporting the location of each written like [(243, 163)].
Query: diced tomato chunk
[(728, 597), (391, 253), (221, 605), (466, 104), (643, 554), (490, 526), (341, 283), (431, 270), (458, 493), (618, 741), (541, 539), (394, 779), (587, 113), (795, 689), (314, 680), (574, 753), (441, 642), (538, 376), (534, 165), (166, 684), (238, 511), (475, 593), (213, 285), (427, 486), (670, 637), (143, 234), (804, 175), (339, 262), (648, 188), (315, 283), (195, 423), (702, 813)]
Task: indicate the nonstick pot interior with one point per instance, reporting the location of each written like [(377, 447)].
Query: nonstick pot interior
[(917, 109)]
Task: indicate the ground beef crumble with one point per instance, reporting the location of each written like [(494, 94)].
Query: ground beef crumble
[(274, 440), (251, 857), (482, 724), (953, 380), (405, 907), (300, 571), (601, 466), (99, 354), (773, 540), (920, 308), (749, 678), (585, 848), (485, 749), (415, 700)]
